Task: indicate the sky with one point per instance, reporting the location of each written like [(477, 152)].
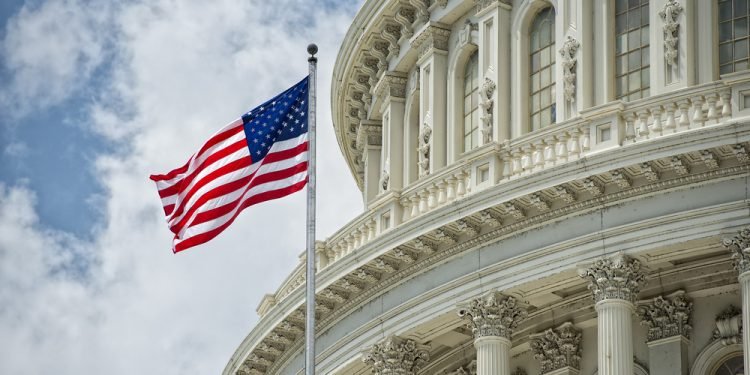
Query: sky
[(94, 97)]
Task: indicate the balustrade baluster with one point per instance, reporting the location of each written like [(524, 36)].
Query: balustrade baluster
[(517, 168), (711, 100), (406, 208), (656, 126), (562, 143), (698, 117), (526, 161), (669, 125), (726, 103), (549, 150), (415, 205), (423, 201), (684, 106), (461, 188), (538, 155), (585, 138), (432, 197), (629, 126), (451, 189), (441, 192), (575, 149), (642, 123)]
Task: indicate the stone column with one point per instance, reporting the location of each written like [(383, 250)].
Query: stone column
[(739, 245), (396, 356), (668, 323), (558, 350), (369, 140), (615, 283), (492, 319), (432, 44)]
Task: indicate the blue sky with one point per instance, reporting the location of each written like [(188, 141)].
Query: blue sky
[(94, 97)]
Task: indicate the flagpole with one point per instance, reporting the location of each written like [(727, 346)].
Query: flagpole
[(312, 49)]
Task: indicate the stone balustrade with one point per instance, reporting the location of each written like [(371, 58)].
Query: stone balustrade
[(495, 164)]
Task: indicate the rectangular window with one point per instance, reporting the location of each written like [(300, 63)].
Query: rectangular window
[(632, 63), (733, 35)]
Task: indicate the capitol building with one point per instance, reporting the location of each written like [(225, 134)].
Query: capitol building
[(551, 187)]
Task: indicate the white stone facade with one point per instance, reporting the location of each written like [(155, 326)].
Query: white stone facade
[(614, 240)]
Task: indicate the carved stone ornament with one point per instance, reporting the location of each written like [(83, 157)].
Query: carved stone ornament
[(667, 317), (739, 245), (484, 4), (669, 14), (558, 348), (396, 356), (470, 369), (425, 142), (493, 315), (406, 17), (464, 35), (488, 88), (729, 326), (431, 38), (569, 62), (518, 371), (615, 278), (385, 177)]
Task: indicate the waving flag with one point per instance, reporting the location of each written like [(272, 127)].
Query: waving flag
[(258, 157)]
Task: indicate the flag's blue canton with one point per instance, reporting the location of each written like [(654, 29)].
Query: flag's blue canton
[(281, 118)]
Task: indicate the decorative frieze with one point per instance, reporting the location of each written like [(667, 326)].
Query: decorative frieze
[(331, 295), (370, 133), (679, 166), (739, 245), (740, 152), (513, 210), (487, 218), (648, 171), (569, 62), (615, 278), (365, 276), (486, 104), (423, 246), (565, 194), (493, 315), (593, 187), (383, 266), (671, 27), (558, 348), (444, 237), (538, 202), (391, 84), (709, 159), (667, 317), (396, 356), (484, 4), (729, 326), (620, 179), (467, 228), (404, 256)]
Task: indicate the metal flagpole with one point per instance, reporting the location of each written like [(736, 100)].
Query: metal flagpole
[(312, 49)]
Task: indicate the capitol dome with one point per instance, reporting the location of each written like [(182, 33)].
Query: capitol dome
[(550, 187)]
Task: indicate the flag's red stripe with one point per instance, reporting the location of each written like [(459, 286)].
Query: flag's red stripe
[(216, 139), (211, 194), (285, 154), (219, 191), (168, 209), (219, 172), (220, 211), (262, 197), (213, 158)]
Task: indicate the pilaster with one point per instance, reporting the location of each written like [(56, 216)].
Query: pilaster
[(558, 350), (369, 140), (396, 356), (391, 93), (615, 284), (669, 325), (494, 20), (432, 46), (739, 246)]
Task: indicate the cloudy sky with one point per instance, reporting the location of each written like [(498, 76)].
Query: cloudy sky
[(94, 97)]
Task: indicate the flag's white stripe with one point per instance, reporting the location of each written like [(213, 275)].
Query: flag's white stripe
[(166, 201), (196, 163), (203, 173), (229, 197), (276, 147), (213, 224)]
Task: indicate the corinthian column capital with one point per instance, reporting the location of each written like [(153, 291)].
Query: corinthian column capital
[(558, 348), (739, 245), (493, 315), (615, 278), (667, 317), (396, 356)]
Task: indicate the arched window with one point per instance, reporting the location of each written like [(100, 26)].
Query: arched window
[(731, 366), (632, 49), (733, 36), (542, 69), (471, 103)]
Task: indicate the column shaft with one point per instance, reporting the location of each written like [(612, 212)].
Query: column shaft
[(745, 286), (493, 355), (615, 337)]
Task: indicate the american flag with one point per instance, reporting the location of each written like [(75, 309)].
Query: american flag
[(258, 157)]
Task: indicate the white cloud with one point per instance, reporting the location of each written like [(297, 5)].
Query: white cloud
[(179, 70)]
